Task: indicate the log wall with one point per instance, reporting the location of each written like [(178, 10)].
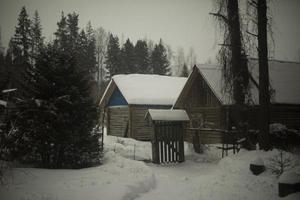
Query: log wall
[(118, 117)]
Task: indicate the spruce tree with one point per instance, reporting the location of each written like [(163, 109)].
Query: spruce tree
[(141, 57), (61, 33), (91, 62), (128, 58), (22, 37), (57, 122), (73, 30), (113, 61), (159, 60), (36, 35)]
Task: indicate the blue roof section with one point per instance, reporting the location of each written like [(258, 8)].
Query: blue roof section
[(117, 98)]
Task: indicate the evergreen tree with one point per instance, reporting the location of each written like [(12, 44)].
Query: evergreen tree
[(36, 35), (128, 58), (113, 61), (141, 57), (159, 61), (73, 30), (56, 124), (61, 33), (22, 37), (91, 62), (185, 71)]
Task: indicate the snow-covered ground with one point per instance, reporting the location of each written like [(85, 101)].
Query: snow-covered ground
[(125, 176)]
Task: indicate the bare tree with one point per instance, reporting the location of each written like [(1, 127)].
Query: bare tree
[(101, 47), (179, 60), (191, 58), (232, 56)]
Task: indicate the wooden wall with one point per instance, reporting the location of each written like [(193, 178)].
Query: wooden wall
[(140, 130), (118, 117), (286, 114), (203, 106)]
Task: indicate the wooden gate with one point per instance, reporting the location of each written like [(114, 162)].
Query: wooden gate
[(167, 144)]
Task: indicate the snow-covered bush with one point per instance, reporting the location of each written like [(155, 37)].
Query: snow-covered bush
[(281, 162), (278, 130)]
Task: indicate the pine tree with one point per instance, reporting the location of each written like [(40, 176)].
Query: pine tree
[(185, 71), (36, 35), (159, 61), (113, 61), (22, 37), (141, 57), (128, 58)]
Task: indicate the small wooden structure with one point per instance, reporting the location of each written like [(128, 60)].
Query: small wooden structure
[(169, 129), (127, 99)]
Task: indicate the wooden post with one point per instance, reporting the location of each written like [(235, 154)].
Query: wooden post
[(181, 145)]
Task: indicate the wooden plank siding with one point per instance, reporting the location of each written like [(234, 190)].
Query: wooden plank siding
[(118, 117), (202, 106), (140, 130)]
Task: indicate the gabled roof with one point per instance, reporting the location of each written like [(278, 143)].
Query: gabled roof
[(284, 79), (145, 89)]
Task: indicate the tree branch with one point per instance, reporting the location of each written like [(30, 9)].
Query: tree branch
[(220, 16), (253, 3), (255, 35)]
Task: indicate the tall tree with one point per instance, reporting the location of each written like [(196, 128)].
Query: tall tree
[(113, 62), (159, 60), (179, 62), (90, 61), (128, 57), (102, 38), (36, 35), (264, 95), (22, 37), (61, 32), (141, 57), (73, 30), (57, 122)]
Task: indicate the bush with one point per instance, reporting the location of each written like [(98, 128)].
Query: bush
[(280, 163)]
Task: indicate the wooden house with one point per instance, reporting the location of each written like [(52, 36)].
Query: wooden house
[(205, 102), (127, 99)]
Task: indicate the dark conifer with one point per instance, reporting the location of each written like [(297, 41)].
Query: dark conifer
[(113, 61), (128, 58), (159, 60), (141, 57)]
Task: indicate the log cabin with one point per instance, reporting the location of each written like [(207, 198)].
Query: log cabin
[(206, 103), (127, 99)]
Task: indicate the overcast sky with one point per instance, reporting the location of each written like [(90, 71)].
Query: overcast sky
[(180, 23)]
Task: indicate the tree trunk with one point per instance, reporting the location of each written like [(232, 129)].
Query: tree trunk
[(235, 42), (238, 63), (264, 95)]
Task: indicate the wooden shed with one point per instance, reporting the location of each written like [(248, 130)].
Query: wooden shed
[(169, 129), (127, 99), (206, 103)]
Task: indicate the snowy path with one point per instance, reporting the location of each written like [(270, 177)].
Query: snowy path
[(180, 181), (200, 177)]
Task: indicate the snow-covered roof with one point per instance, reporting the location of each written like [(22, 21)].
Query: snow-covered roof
[(167, 115), (148, 89), (284, 79)]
